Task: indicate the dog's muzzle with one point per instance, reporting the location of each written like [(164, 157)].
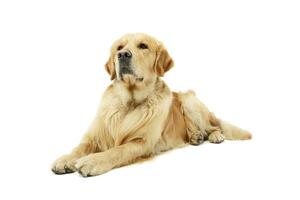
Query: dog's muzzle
[(124, 58), (124, 55)]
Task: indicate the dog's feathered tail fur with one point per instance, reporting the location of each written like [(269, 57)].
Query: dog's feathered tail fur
[(232, 132)]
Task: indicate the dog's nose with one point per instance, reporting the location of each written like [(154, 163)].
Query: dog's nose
[(125, 54)]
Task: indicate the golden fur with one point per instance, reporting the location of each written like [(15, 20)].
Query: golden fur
[(139, 116)]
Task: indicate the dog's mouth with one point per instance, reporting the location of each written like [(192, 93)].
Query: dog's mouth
[(124, 77), (139, 79), (128, 72)]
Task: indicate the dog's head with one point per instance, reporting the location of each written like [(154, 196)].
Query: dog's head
[(138, 57)]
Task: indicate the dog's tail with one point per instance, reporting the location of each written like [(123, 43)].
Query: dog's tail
[(232, 132)]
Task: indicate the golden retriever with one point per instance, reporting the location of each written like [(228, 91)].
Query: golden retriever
[(139, 116)]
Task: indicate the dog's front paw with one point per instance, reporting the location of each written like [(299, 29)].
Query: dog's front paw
[(92, 165), (216, 137), (64, 164)]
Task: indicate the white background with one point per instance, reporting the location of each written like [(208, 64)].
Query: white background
[(241, 57)]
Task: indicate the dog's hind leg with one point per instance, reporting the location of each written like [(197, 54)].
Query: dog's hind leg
[(201, 124)]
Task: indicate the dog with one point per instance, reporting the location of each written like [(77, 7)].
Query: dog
[(139, 116)]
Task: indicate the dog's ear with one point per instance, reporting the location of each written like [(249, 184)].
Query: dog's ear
[(110, 68), (163, 62)]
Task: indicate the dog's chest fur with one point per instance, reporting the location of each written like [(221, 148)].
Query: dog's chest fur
[(125, 118)]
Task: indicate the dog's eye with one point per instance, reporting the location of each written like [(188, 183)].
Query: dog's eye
[(120, 47), (142, 46)]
